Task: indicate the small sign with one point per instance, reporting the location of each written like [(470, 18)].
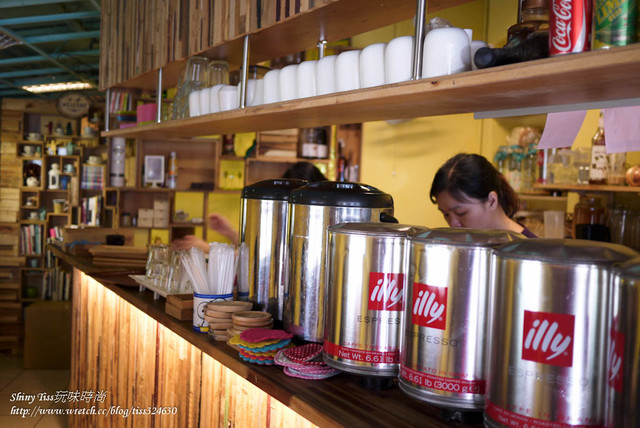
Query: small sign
[(74, 105)]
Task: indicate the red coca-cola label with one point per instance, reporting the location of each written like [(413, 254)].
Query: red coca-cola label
[(385, 291), (548, 338), (570, 26), (429, 306), (616, 359)]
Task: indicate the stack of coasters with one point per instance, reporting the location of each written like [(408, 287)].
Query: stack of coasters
[(245, 320), (218, 315), (259, 345), (304, 362)]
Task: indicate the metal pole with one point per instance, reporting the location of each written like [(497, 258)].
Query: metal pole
[(322, 45), (159, 97), (418, 40), (106, 110), (243, 71)]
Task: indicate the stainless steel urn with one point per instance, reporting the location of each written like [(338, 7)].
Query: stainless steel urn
[(623, 348), (549, 325), (443, 347), (264, 229), (365, 283), (313, 208)]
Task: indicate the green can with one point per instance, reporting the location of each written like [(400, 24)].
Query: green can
[(615, 23)]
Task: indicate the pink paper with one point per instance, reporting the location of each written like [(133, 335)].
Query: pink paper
[(622, 129), (561, 129)]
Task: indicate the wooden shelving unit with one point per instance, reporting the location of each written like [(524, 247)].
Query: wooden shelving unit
[(586, 188), (602, 75)]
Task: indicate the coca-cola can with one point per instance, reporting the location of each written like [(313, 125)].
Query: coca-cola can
[(365, 282), (442, 355), (549, 321), (623, 348), (570, 26)]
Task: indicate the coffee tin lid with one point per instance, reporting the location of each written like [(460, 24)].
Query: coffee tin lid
[(629, 269), (277, 190), (341, 194), (376, 229), (567, 251), (462, 236)]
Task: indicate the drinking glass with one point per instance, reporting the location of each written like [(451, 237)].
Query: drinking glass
[(158, 257), (218, 72), (195, 79)]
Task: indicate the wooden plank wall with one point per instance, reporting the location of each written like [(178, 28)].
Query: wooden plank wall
[(132, 361), (141, 36)]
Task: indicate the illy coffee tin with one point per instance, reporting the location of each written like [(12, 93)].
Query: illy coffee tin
[(442, 356), (366, 274), (549, 326), (623, 348)]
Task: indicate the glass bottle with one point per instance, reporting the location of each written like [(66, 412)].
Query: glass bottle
[(529, 167), (342, 162), (589, 211), (599, 161), (534, 17), (500, 159), (172, 174)]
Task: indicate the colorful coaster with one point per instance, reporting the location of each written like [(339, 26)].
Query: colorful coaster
[(246, 353), (304, 353), (261, 334), (294, 373), (268, 362), (276, 346), (237, 340)]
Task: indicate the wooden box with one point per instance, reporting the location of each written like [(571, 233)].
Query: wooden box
[(145, 217), (9, 239)]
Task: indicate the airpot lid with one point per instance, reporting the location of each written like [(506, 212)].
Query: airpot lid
[(278, 189), (567, 251), (341, 194), (461, 236)]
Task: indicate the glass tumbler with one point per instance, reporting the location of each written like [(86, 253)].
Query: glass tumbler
[(158, 257), (195, 78), (218, 72)]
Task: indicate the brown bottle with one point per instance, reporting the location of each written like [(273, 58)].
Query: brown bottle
[(599, 161), (588, 211)]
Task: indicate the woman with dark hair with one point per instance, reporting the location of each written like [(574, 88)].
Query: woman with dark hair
[(470, 192)]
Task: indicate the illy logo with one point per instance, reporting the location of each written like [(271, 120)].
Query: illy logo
[(429, 306), (385, 291), (616, 354), (548, 338)]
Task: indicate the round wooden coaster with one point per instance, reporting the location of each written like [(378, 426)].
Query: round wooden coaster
[(233, 332), (221, 337), (217, 314), (251, 315), (249, 324), (220, 325), (215, 319), (229, 306)]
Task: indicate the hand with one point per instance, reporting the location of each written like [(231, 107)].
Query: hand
[(221, 224), (189, 241)]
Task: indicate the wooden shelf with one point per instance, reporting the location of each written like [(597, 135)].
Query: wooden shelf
[(286, 159), (332, 22), (601, 75), (586, 188)]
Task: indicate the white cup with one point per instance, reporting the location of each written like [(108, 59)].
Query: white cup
[(372, 65), (554, 224), (326, 75), (194, 103), (250, 92), (289, 82), (348, 71), (271, 92), (306, 79), (28, 150), (214, 99), (258, 94), (446, 51), (475, 45), (397, 59), (204, 100), (228, 96)]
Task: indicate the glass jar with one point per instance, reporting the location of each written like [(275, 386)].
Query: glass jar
[(588, 211), (500, 159), (514, 168), (529, 167)]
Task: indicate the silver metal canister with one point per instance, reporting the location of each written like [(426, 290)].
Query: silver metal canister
[(623, 348), (549, 325), (363, 311), (264, 229), (313, 208), (442, 355)]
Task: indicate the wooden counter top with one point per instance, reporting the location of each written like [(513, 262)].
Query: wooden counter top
[(337, 401)]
